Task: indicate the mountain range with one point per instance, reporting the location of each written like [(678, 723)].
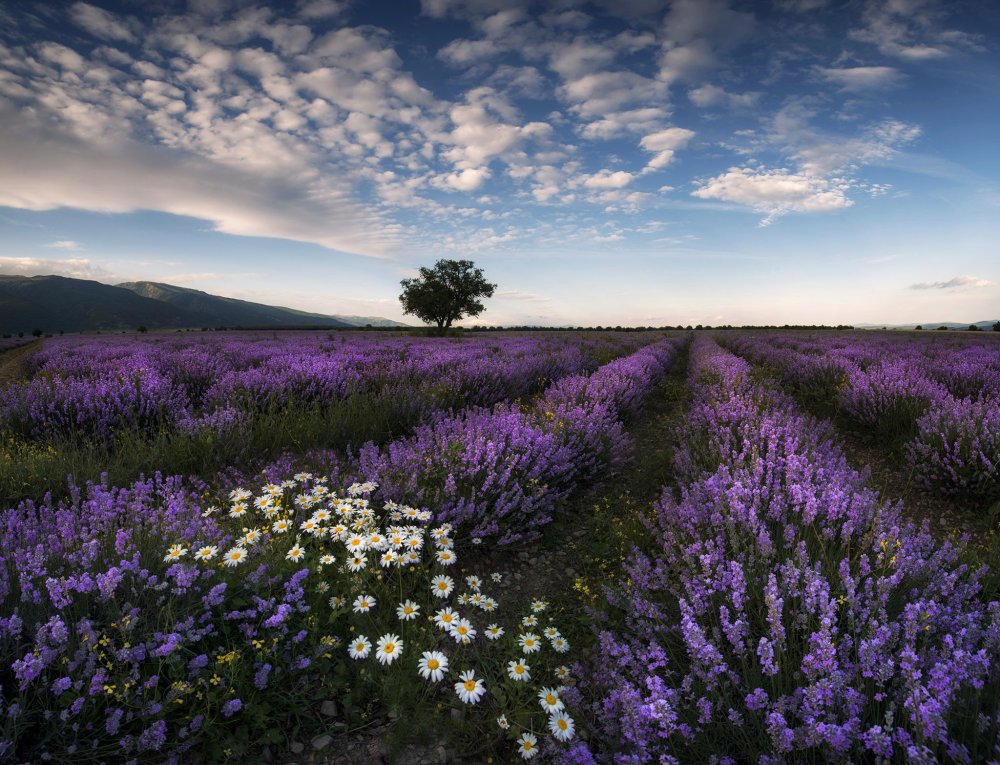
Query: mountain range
[(58, 303), (931, 325)]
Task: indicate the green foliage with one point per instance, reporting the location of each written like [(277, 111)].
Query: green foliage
[(445, 293)]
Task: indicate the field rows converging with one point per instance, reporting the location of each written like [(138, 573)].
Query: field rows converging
[(182, 406), (593, 549)]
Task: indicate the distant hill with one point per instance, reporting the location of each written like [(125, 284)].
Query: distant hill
[(932, 325), (54, 303)]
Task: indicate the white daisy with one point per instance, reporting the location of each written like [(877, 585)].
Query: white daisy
[(463, 631), (560, 644), (494, 632), (561, 725), (175, 552), (251, 536), (407, 611), (388, 558), (356, 543), (445, 618), (442, 585), (538, 606), (281, 526), (433, 665), (549, 699), (529, 642), (527, 745), (446, 557), (311, 527), (336, 601), (326, 560), (363, 604), (502, 722), (357, 562), (519, 670), (235, 556), (207, 552), (296, 553), (469, 689), (388, 649), (529, 621), (360, 647)]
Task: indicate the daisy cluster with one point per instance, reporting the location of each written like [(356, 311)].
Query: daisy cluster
[(291, 588), (941, 396), (502, 472), (784, 612)]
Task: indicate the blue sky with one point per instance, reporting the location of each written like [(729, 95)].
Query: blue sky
[(617, 162)]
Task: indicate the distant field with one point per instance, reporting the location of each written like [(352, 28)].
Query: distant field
[(686, 546)]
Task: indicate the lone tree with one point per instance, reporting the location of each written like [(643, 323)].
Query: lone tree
[(446, 293)]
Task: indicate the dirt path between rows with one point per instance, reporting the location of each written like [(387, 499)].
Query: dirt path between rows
[(11, 361), (580, 551)]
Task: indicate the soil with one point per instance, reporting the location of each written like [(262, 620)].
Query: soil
[(11, 361)]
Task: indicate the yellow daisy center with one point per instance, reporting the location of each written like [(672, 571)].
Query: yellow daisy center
[(470, 685), (562, 724), (389, 647), (433, 664), (550, 699)]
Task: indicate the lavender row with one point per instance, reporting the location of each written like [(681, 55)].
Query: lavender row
[(503, 472), (203, 622), (476, 464), (946, 407), (784, 612), (87, 390)]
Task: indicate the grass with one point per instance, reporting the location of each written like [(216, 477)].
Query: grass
[(29, 470)]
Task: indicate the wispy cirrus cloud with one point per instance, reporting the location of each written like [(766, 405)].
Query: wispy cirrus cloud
[(957, 283)]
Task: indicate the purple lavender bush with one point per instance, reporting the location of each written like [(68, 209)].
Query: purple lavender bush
[(783, 612), (502, 472), (889, 396), (957, 447)]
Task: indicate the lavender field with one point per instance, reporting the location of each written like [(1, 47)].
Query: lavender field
[(595, 547)]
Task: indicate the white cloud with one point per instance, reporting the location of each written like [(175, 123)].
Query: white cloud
[(956, 283), (65, 244), (465, 52), (607, 179), (77, 268), (696, 31), (61, 171), (321, 9), (642, 120), (664, 144), (859, 79), (913, 30), (775, 192), (713, 95), (598, 93), (468, 179), (818, 152), (102, 23)]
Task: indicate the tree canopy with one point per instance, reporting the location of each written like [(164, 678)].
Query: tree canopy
[(446, 293)]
